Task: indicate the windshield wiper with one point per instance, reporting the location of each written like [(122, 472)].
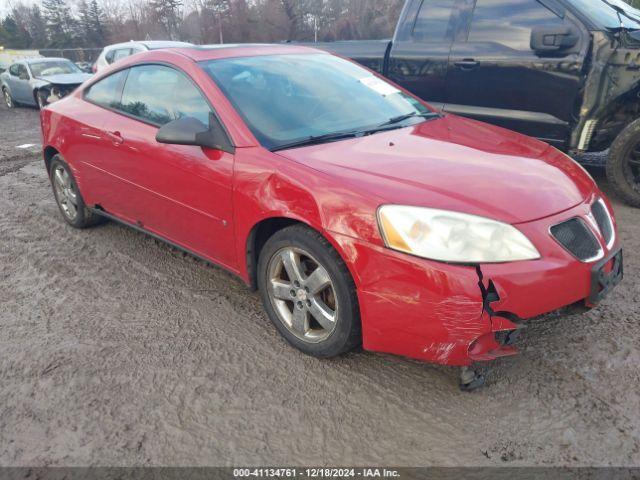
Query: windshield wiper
[(316, 139), (620, 12), (402, 118), (390, 124)]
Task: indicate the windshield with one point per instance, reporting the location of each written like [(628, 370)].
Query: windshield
[(53, 67), (287, 98), (603, 13)]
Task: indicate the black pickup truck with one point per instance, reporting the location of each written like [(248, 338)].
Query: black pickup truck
[(564, 71)]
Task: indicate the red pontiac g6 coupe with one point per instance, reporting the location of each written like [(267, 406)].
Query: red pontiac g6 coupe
[(361, 214)]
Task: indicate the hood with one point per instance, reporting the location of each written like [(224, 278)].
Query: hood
[(457, 164), (66, 78)]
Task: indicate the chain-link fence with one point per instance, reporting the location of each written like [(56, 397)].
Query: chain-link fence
[(74, 54)]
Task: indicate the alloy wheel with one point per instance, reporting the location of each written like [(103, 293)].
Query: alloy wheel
[(302, 294), (66, 194), (7, 98)]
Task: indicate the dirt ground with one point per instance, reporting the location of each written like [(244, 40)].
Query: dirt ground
[(116, 349)]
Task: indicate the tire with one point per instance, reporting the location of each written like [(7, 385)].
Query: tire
[(318, 263), (8, 99), (70, 202), (623, 165), (41, 99)]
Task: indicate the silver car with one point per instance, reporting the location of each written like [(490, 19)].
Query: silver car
[(40, 81), (112, 53)]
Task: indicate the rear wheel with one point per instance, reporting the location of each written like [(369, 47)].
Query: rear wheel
[(308, 292), (8, 99), (68, 198), (623, 165)]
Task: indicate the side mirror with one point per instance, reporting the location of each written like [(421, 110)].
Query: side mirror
[(24, 76), (545, 40), (191, 131)]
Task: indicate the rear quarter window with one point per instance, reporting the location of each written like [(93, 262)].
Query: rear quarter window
[(158, 95), (107, 91), (121, 53)]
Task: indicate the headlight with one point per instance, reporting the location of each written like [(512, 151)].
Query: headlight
[(452, 237)]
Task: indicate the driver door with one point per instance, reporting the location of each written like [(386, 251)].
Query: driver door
[(495, 76), (180, 192), (20, 88)]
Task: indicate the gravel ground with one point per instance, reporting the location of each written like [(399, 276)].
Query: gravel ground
[(117, 349)]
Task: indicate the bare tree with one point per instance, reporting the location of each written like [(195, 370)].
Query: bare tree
[(97, 22)]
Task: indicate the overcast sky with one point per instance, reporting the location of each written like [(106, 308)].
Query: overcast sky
[(5, 5)]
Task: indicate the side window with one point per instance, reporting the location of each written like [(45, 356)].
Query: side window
[(435, 21), (509, 22), (159, 95), (22, 71), (13, 70), (106, 92), (121, 53)]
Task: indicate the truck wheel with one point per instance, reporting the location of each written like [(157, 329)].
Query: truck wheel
[(308, 292), (623, 165)]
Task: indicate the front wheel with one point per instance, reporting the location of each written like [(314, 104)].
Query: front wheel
[(623, 165), (8, 99), (41, 99), (308, 292)]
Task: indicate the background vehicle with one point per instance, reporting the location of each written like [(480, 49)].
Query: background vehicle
[(564, 71), (86, 67), (40, 81), (115, 52), (360, 214)]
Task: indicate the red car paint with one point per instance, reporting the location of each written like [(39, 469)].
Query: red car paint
[(209, 202)]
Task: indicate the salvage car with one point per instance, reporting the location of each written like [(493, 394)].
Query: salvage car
[(360, 213), (564, 71), (40, 81)]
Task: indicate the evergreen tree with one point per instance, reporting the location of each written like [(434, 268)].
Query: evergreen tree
[(98, 23), (37, 27), (60, 23), (91, 23), (166, 13), (14, 35)]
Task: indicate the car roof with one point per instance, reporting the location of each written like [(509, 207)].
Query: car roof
[(155, 44), (149, 44), (200, 53)]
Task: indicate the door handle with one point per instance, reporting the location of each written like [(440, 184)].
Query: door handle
[(467, 64), (115, 137), (89, 133)]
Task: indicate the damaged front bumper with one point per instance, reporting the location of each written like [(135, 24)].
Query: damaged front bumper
[(457, 315), (54, 92)]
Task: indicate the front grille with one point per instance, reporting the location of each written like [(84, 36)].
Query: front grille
[(603, 220), (576, 237)]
